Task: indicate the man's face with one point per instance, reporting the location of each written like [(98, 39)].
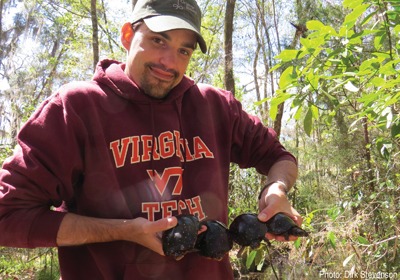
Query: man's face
[(157, 61)]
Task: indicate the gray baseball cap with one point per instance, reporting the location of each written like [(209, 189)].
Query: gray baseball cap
[(164, 15)]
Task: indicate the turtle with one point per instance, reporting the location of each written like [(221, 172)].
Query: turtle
[(247, 230), (181, 239), (215, 242), (282, 224)]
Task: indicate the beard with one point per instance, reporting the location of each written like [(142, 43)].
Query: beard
[(154, 87)]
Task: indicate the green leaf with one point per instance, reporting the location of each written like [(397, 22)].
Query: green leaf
[(334, 212), (315, 112), (315, 25), (262, 101), (280, 98), (390, 68), (297, 243), (351, 3), (397, 28), (308, 122), (322, 28), (391, 100), (273, 112), (313, 80), (331, 98), (297, 115), (367, 99), (369, 66), (288, 77), (381, 56), (362, 240), (379, 40), (332, 239), (395, 130), (368, 18), (352, 18), (259, 259), (250, 259), (288, 55), (275, 67), (378, 81)]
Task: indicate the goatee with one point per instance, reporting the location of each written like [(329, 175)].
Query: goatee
[(155, 87)]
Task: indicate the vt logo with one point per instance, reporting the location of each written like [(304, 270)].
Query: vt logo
[(161, 180)]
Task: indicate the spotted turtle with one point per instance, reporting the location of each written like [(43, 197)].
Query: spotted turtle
[(281, 224), (248, 230), (181, 239), (215, 242)]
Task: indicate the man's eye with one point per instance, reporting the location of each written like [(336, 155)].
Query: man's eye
[(186, 52), (158, 41)]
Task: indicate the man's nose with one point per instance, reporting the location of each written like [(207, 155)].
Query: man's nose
[(169, 59)]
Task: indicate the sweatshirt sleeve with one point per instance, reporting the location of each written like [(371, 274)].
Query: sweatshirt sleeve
[(253, 144), (39, 177)]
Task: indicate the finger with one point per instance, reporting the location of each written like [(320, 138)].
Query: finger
[(280, 238), (298, 220), (160, 225), (270, 236), (263, 216), (202, 229)]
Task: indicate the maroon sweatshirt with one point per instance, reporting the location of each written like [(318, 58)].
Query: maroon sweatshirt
[(104, 149)]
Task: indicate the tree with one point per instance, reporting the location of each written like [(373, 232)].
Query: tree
[(95, 32), (45, 47), (134, 3), (229, 14)]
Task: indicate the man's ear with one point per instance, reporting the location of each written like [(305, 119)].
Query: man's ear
[(127, 35)]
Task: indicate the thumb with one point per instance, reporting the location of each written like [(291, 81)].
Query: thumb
[(264, 215)]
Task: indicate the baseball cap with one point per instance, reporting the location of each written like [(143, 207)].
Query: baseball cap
[(164, 15)]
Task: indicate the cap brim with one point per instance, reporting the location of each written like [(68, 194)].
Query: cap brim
[(166, 23)]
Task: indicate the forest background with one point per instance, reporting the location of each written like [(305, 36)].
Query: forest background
[(323, 73)]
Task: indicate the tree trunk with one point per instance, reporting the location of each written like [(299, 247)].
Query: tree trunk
[(1, 21), (367, 155), (95, 34), (133, 4), (229, 79), (278, 120)]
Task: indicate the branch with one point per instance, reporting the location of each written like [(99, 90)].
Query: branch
[(379, 242)]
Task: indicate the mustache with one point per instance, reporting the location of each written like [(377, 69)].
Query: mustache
[(163, 68)]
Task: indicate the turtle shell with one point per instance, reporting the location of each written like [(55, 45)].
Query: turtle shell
[(248, 230), (281, 224), (181, 239), (215, 242)]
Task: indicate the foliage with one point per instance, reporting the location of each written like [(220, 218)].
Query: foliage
[(203, 67), (40, 264), (342, 85), (351, 69)]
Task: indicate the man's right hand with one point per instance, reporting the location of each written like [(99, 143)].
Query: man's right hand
[(78, 230)]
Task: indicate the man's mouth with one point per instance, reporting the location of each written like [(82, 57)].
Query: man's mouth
[(161, 73)]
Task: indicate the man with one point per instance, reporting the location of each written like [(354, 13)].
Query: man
[(103, 166)]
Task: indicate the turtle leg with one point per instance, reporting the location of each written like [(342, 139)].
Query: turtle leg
[(286, 235)]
